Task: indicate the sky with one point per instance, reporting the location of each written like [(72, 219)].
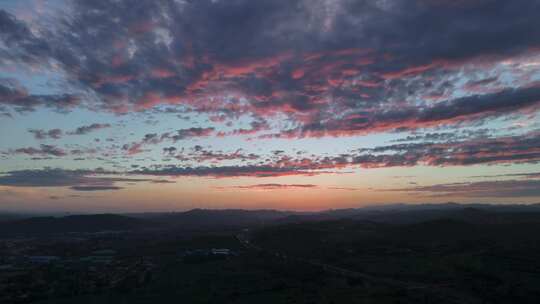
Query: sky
[(169, 105)]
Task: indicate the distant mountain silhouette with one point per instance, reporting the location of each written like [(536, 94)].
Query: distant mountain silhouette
[(8, 217), (73, 223), (204, 218), (200, 219)]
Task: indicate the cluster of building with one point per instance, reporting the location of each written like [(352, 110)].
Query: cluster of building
[(202, 255), (28, 278)]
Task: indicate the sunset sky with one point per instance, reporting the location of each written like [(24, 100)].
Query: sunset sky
[(161, 105)]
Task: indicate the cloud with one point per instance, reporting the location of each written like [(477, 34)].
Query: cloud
[(463, 134), (343, 188), (330, 67), (133, 148), (148, 139), (488, 189), (21, 44), (154, 139), (452, 111), (95, 188), (45, 178), (82, 130), (227, 171), (523, 148), (444, 151), (78, 180), (191, 133), (43, 134), (256, 126), (11, 94), (163, 181), (529, 175), (272, 69), (432, 149), (272, 187), (43, 150), (200, 154), (6, 115)]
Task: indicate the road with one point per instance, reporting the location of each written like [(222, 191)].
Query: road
[(445, 289), (244, 240)]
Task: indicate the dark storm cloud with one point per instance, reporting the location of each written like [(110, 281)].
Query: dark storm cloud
[(313, 61)]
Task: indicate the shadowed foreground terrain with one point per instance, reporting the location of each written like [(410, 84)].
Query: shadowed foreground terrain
[(416, 254)]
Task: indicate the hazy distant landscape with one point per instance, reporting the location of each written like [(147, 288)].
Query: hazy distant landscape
[(448, 253)]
